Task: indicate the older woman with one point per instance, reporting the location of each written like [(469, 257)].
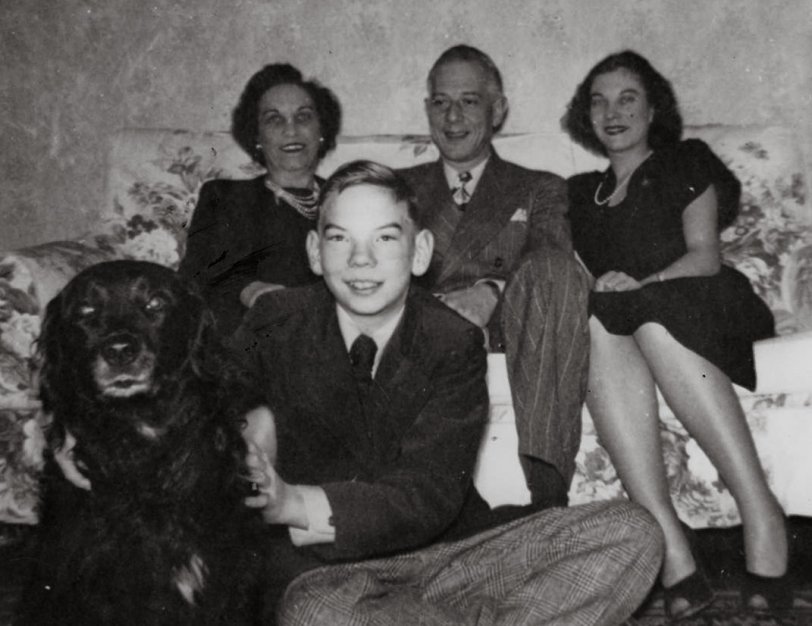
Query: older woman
[(665, 311), (248, 237)]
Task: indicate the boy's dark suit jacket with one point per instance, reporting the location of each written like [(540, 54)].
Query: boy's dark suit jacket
[(399, 477), (240, 233)]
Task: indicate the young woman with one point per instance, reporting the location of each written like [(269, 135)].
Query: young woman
[(664, 311)]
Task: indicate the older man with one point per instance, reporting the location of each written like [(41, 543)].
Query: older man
[(503, 259)]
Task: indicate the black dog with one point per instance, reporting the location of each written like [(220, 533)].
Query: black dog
[(131, 369)]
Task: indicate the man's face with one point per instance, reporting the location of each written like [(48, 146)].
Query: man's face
[(366, 248), (463, 108)]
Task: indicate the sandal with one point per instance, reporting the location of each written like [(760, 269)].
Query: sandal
[(694, 589), (766, 593)]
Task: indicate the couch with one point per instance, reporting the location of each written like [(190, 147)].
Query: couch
[(151, 185)]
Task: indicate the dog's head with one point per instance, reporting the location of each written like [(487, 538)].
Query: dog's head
[(118, 331)]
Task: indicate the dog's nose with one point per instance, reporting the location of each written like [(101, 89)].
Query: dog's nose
[(120, 349)]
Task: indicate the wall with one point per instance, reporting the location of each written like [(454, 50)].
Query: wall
[(74, 71)]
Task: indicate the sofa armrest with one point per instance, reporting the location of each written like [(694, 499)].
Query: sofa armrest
[(29, 279)]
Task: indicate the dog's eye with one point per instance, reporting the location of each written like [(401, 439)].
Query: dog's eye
[(86, 310), (156, 304)]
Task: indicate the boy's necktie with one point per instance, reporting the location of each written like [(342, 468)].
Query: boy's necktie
[(362, 356)]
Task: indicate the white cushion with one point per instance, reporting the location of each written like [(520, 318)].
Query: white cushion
[(784, 364)]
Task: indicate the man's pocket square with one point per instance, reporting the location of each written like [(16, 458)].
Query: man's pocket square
[(519, 216)]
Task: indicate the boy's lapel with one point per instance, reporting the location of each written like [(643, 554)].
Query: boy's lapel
[(402, 377), (331, 391), (330, 388)]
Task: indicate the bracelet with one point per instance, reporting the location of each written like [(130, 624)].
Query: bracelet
[(660, 277)]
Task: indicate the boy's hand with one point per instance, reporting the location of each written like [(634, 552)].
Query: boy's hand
[(280, 502), (259, 432)]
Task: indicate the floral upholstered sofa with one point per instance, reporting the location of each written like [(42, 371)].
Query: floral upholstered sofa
[(152, 184)]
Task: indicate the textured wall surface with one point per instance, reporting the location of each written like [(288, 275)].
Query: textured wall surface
[(73, 71)]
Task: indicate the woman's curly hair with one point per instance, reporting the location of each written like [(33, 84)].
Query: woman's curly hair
[(244, 119), (666, 127)]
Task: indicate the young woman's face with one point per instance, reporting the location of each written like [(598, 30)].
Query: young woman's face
[(620, 111)]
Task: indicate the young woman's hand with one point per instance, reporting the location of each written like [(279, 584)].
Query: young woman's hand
[(616, 281)]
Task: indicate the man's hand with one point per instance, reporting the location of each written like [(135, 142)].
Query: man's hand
[(253, 290), (67, 463), (476, 303), (616, 281)]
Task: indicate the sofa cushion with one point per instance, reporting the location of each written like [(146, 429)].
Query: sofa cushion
[(780, 422), (152, 184), (21, 448), (771, 241), (784, 363)]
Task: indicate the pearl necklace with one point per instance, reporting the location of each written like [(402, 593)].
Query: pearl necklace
[(308, 206), (619, 186)]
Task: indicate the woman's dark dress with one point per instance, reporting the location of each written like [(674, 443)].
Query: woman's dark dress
[(718, 317), (241, 233)]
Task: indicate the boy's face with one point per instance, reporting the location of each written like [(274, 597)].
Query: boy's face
[(366, 248)]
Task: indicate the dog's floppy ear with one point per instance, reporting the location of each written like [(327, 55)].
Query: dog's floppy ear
[(49, 363), (49, 357)]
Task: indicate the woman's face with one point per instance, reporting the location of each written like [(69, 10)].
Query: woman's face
[(620, 112), (289, 133)]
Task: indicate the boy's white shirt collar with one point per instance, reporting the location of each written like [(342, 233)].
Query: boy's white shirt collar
[(350, 332), (452, 176)]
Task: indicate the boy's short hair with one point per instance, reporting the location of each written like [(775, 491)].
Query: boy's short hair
[(364, 172)]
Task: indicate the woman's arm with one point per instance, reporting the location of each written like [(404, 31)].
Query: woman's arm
[(205, 240), (699, 226)]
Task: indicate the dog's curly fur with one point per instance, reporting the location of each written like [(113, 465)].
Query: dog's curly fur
[(130, 367)]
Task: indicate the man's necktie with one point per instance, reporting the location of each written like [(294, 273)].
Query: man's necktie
[(460, 193), (362, 356)]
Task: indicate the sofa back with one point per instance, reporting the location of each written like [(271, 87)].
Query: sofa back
[(152, 183), (154, 177)]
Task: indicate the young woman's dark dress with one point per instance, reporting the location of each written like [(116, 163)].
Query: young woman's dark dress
[(718, 317)]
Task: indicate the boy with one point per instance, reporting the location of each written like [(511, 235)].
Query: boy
[(379, 399)]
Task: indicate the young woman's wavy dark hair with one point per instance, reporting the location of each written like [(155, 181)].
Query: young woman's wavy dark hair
[(244, 122), (666, 127)]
